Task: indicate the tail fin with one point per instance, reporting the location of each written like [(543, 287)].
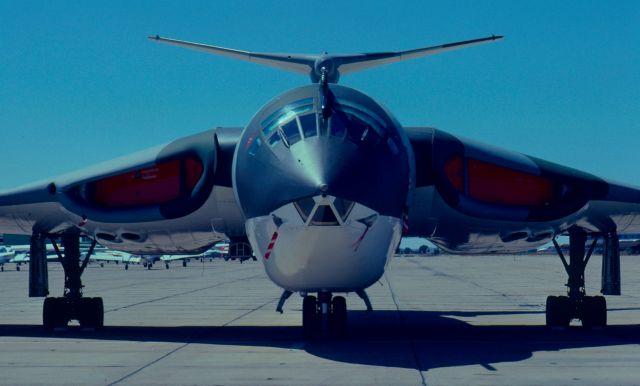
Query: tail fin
[(330, 66)]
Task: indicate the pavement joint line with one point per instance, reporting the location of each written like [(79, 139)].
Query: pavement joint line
[(416, 358), (180, 294), (190, 341), (150, 363), (512, 297)]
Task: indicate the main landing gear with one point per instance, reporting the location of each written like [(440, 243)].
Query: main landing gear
[(591, 310), (57, 312)]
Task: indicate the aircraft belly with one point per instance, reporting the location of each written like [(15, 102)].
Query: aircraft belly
[(324, 258)]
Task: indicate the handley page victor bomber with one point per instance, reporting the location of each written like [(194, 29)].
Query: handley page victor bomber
[(322, 183)]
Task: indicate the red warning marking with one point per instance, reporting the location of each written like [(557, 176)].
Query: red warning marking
[(271, 244), (405, 223), (356, 245)]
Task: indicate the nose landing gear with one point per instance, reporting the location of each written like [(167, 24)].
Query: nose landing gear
[(326, 313)]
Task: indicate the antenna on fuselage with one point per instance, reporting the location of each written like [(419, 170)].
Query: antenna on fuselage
[(331, 66)]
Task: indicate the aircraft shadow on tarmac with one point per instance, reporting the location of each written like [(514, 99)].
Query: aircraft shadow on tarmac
[(407, 339)]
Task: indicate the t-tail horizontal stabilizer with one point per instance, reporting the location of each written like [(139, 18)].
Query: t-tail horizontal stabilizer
[(333, 65)]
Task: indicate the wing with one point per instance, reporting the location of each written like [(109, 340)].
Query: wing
[(175, 198), (477, 198)]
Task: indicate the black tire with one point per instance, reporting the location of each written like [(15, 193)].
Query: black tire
[(310, 317), (558, 311), (98, 310), (166, 265), (338, 317), (49, 314), (54, 313), (126, 267), (184, 263), (17, 267), (91, 313), (594, 311), (85, 313)]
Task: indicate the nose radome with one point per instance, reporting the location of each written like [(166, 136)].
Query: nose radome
[(328, 163)]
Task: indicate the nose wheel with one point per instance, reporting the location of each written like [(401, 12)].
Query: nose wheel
[(324, 314)]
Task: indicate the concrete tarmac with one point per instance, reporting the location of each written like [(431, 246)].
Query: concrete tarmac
[(438, 320)]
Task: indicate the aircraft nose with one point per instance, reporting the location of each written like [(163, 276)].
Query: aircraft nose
[(330, 166), (292, 150)]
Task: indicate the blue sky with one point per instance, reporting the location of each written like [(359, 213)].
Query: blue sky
[(80, 83)]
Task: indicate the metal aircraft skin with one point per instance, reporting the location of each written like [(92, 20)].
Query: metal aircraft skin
[(323, 182)]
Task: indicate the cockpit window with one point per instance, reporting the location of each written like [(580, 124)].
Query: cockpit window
[(304, 207), (255, 144), (362, 114), (339, 123), (343, 207), (301, 120), (309, 125), (357, 130), (281, 116), (324, 216), (329, 211), (291, 132)]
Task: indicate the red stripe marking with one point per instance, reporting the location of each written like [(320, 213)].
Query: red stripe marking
[(271, 245)]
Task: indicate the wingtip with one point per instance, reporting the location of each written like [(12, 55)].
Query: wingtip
[(497, 37), (154, 37)]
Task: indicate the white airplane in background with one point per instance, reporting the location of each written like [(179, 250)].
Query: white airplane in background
[(6, 255), (103, 255), (321, 184)]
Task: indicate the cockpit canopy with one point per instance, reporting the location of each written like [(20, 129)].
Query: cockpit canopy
[(302, 120), (332, 141)]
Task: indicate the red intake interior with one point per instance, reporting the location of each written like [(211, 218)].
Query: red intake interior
[(158, 184)]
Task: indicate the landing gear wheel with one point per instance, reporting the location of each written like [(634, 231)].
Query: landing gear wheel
[(338, 316), (149, 266), (91, 313), (310, 317), (98, 310), (54, 313), (49, 312), (17, 267), (558, 311), (594, 311), (166, 265), (126, 267), (184, 263)]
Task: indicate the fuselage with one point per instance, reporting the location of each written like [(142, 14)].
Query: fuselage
[(323, 178)]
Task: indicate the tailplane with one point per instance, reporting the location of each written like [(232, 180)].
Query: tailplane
[(327, 66)]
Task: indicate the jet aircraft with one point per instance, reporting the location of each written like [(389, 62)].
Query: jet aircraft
[(322, 183)]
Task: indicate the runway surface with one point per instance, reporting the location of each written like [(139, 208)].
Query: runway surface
[(440, 320)]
